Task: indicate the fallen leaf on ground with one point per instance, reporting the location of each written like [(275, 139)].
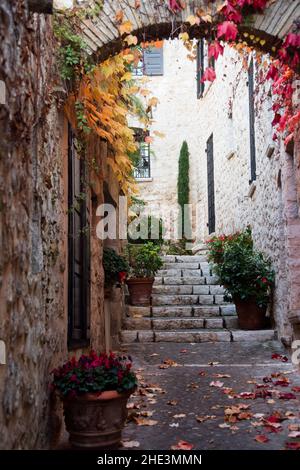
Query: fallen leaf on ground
[(168, 363), (261, 438), (201, 419), (280, 357), (293, 445), (294, 434), (271, 401), (181, 415), (182, 445), (172, 402), (202, 373), (154, 354), (296, 389), (130, 444), (258, 415), (193, 386), (146, 414), (145, 422), (224, 425), (213, 363), (174, 425), (294, 427), (183, 351), (222, 376), (216, 383), (287, 396)]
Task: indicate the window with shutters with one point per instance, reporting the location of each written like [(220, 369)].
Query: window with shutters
[(202, 63), (151, 63), (252, 122), (142, 167), (78, 249)]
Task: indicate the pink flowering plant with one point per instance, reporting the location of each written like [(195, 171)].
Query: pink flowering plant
[(94, 373), (217, 244)]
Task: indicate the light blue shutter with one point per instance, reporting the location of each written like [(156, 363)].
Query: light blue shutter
[(153, 61)]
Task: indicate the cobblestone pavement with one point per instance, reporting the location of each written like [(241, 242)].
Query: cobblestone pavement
[(182, 382)]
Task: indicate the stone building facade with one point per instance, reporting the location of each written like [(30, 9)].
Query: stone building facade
[(223, 113), (35, 237)]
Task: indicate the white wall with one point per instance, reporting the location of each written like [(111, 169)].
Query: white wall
[(181, 116)]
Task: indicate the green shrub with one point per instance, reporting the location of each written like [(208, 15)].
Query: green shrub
[(144, 260), (113, 264), (183, 186), (245, 272)]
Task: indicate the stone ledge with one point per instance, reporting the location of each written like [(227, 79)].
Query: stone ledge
[(253, 335), (192, 336)]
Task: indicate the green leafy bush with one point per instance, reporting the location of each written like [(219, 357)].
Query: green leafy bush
[(113, 265), (144, 260), (216, 245), (245, 272)]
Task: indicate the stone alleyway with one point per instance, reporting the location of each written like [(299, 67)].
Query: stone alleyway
[(186, 389)]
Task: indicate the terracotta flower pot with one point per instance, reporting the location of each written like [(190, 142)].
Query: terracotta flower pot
[(96, 420), (250, 315), (140, 290)]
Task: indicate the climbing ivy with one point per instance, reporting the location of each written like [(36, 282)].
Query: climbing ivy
[(183, 184)]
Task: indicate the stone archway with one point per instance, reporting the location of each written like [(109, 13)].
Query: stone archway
[(154, 20)]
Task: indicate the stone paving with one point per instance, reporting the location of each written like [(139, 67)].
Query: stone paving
[(180, 382)]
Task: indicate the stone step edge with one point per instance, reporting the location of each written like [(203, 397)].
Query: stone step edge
[(150, 336)]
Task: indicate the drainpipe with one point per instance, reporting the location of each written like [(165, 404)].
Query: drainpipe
[(48, 6)]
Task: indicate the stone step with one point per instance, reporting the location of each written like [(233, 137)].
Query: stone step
[(194, 311), (188, 289), (184, 258), (186, 299), (196, 336), (187, 323), (181, 266)]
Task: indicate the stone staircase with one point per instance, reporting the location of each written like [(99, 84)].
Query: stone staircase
[(187, 307)]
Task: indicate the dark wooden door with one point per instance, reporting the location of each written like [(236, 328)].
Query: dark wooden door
[(78, 250), (210, 185)]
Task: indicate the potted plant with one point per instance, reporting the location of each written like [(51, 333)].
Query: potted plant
[(144, 263), (246, 275), (115, 269), (95, 389)]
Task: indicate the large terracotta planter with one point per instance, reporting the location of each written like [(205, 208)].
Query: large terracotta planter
[(140, 290), (250, 315), (96, 420)]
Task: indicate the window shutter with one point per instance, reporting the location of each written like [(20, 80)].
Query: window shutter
[(200, 68), (153, 61)]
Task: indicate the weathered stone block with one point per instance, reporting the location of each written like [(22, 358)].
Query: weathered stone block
[(181, 266), (174, 299), (193, 280), (190, 259), (192, 336), (169, 258), (228, 309), (206, 311), (191, 272), (203, 290), (172, 311), (212, 280), (217, 290), (258, 335), (145, 336), (141, 323), (206, 299), (129, 336), (177, 323), (168, 280), (135, 312), (169, 272), (219, 299), (158, 281), (172, 289), (231, 322), (214, 323)]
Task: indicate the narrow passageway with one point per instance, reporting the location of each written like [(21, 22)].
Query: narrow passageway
[(238, 396)]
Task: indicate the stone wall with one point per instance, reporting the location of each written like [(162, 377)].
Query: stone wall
[(224, 112), (34, 229)]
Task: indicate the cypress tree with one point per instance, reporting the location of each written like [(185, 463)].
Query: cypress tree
[(183, 187)]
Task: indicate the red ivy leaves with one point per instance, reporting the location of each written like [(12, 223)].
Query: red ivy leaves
[(209, 75), (215, 49), (175, 5), (228, 30)]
